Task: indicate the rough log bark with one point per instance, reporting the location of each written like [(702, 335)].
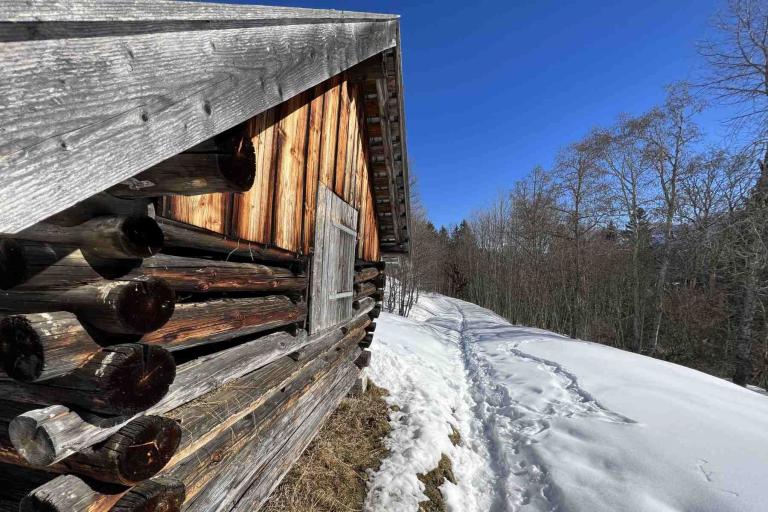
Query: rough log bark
[(135, 453), (363, 360), (360, 321), (41, 346), (131, 307), (100, 205), (118, 237), (214, 413), (253, 492), (379, 265), (29, 266), (367, 340), (121, 379), (11, 263), (68, 493), (366, 274), (183, 239), (363, 303), (16, 484), (242, 446), (63, 432), (229, 166), (202, 323), (363, 290)]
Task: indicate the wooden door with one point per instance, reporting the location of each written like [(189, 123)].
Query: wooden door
[(333, 263)]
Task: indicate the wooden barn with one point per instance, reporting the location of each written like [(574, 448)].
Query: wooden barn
[(195, 204)]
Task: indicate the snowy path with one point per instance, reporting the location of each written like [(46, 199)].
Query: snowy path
[(554, 424)]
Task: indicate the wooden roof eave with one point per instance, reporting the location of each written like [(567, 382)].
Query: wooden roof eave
[(103, 90), (406, 196)]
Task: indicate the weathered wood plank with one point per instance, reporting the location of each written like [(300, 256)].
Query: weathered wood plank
[(313, 164), (206, 211), (290, 172), (165, 10), (274, 469), (244, 437), (234, 477), (86, 113), (351, 146), (330, 131), (342, 139), (252, 215)]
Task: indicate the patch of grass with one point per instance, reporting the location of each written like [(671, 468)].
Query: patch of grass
[(432, 482), (454, 436), (331, 475)]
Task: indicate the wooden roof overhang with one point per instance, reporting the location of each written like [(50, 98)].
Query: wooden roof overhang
[(96, 91), (381, 76)]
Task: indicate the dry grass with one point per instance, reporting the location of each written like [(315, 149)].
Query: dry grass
[(432, 482), (331, 475), (454, 436)]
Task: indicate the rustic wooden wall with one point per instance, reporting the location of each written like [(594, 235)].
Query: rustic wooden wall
[(318, 136)]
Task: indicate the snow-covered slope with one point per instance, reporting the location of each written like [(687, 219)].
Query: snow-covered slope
[(554, 424)]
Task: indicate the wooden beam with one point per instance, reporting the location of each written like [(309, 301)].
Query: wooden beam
[(40, 266), (185, 240), (93, 104), (203, 323), (63, 432), (121, 379), (129, 307), (134, 453), (68, 493)]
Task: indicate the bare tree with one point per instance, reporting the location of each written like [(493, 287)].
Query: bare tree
[(738, 59), (622, 155), (738, 62), (669, 134), (585, 204)]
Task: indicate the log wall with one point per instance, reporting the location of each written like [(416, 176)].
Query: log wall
[(318, 136), (156, 351), (151, 364)]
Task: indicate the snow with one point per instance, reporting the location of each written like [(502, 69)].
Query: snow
[(549, 423)]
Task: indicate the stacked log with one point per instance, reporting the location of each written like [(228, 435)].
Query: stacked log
[(150, 365), (370, 281)]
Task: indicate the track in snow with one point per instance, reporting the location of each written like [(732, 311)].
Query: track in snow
[(511, 423)]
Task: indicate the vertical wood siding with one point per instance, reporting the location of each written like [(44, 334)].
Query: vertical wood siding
[(291, 169), (252, 210), (319, 136)]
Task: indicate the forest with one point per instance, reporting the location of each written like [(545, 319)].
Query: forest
[(642, 235)]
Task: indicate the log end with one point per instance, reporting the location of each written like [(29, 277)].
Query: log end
[(13, 264), (142, 236), (160, 494), (32, 443), (134, 376), (21, 349), (145, 306), (146, 445), (238, 164)]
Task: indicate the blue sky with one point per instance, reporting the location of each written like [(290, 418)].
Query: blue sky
[(495, 87)]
